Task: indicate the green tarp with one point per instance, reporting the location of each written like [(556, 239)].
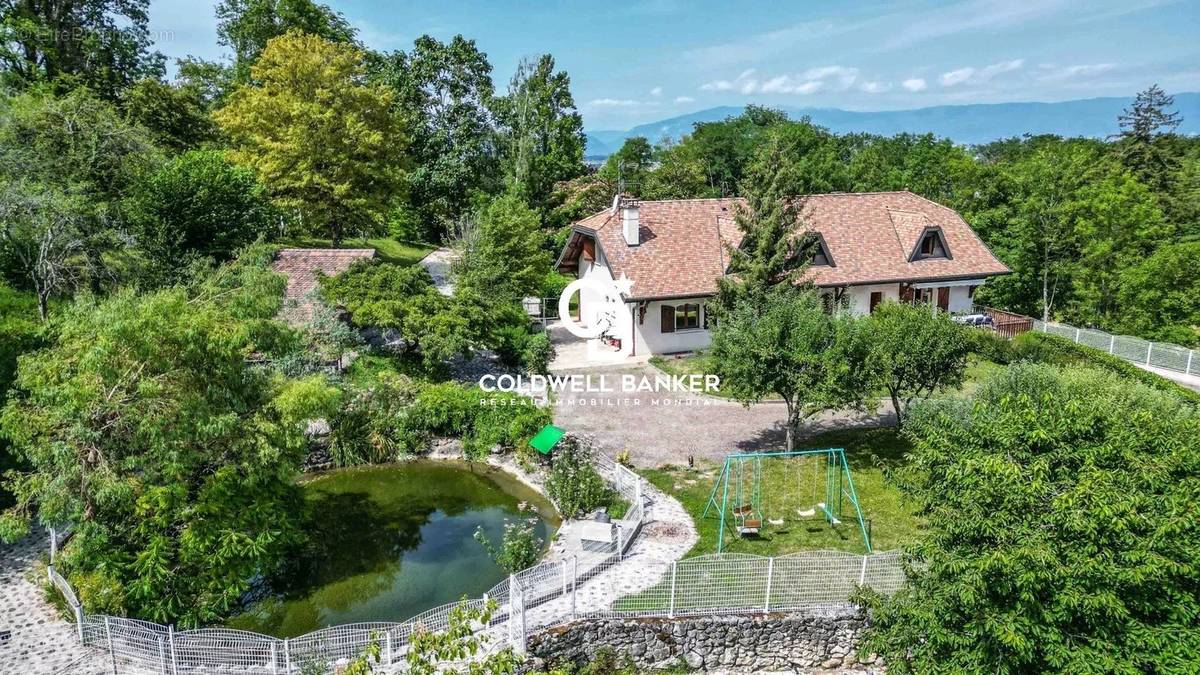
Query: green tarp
[(547, 438)]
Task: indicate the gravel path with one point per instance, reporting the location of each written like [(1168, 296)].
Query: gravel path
[(667, 428), (40, 641)]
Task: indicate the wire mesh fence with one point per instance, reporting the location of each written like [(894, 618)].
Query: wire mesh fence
[(591, 584), (1143, 352)]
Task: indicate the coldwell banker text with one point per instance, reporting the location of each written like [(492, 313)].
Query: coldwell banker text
[(603, 383)]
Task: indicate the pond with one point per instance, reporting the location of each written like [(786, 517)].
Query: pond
[(389, 542)]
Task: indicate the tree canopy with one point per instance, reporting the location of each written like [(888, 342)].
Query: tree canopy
[(322, 141), (1059, 539)]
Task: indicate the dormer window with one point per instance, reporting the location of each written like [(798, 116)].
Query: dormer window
[(932, 245), (818, 253)]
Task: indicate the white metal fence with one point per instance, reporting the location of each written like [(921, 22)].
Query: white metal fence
[(603, 584), (1143, 352)]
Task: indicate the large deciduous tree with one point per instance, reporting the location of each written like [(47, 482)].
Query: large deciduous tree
[(246, 26), (100, 44), (43, 230), (1160, 296), (444, 95), (177, 116), (322, 140), (197, 204), (80, 148), (145, 428), (787, 345), (912, 352), (541, 131), (1060, 534)]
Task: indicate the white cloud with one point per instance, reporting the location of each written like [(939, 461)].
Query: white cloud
[(739, 82), (998, 68), (874, 87), (954, 77), (684, 99), (979, 75), (613, 102), (657, 91), (914, 84), (1052, 73), (837, 78)]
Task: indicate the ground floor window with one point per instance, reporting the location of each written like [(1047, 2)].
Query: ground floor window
[(680, 317)]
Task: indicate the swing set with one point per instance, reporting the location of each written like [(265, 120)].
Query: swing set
[(740, 491)]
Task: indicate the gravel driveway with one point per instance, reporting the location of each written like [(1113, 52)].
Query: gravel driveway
[(667, 428)]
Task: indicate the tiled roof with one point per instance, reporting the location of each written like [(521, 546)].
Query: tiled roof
[(303, 268), (870, 237)]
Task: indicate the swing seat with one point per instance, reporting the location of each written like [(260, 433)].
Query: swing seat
[(750, 526), (743, 510), (806, 513), (775, 522)]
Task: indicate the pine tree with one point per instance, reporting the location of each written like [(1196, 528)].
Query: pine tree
[(1142, 127), (770, 251)]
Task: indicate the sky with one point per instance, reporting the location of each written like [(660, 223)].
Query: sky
[(644, 60)]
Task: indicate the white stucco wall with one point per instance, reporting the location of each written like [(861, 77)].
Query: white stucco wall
[(860, 296), (651, 340)]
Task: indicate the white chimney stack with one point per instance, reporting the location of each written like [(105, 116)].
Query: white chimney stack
[(630, 221)]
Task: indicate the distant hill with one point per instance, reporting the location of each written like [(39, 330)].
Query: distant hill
[(968, 124)]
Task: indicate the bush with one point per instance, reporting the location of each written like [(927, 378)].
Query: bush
[(482, 420), (372, 426), (519, 548), (989, 345), (573, 483), (1059, 351), (538, 354)]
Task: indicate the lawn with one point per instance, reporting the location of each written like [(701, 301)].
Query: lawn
[(388, 249), (790, 484)]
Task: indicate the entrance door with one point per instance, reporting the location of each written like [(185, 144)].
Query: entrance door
[(876, 298), (944, 298)]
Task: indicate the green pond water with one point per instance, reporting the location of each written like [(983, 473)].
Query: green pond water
[(389, 542)]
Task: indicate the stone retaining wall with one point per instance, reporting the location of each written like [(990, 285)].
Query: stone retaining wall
[(748, 644)]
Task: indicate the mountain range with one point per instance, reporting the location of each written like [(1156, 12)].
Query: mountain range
[(968, 124)]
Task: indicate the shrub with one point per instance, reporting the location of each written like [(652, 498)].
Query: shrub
[(1059, 351), (372, 426), (538, 354), (483, 420), (519, 547), (987, 344), (573, 483)]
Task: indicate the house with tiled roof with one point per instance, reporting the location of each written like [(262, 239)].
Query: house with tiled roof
[(866, 248), (303, 269)]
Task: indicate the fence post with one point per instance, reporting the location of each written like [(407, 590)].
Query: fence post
[(564, 577), (770, 575), (1149, 349), (674, 573), (862, 574), (387, 644), (162, 655), (620, 546), (79, 620), (512, 610), (1112, 343), (1188, 368), (112, 653), (574, 582), (275, 658), (53, 545), (287, 655), (171, 645), (1077, 335)]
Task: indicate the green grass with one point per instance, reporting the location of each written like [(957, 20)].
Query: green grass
[(790, 484), (388, 249)]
